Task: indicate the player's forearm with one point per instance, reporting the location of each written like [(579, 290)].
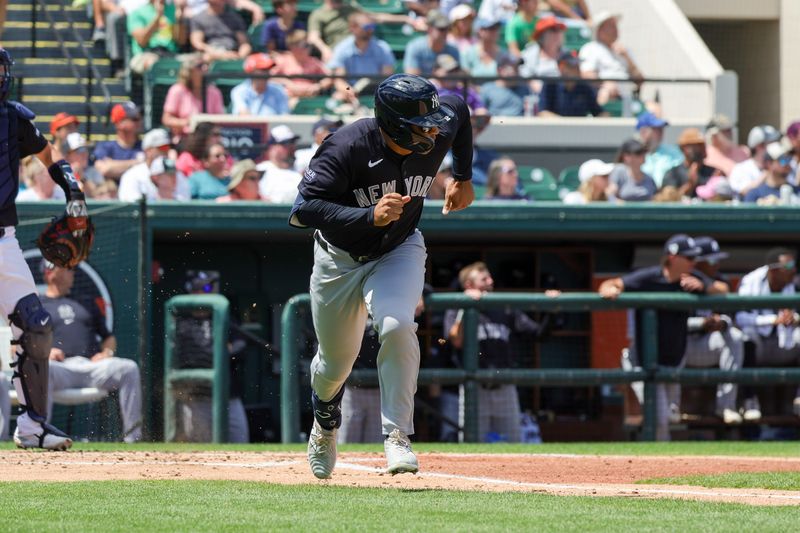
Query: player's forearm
[(325, 215)]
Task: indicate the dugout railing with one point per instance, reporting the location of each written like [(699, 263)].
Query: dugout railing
[(471, 375)]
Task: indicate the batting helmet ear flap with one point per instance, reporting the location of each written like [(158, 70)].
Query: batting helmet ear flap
[(6, 80)]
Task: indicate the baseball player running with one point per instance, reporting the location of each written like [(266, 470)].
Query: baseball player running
[(30, 323), (363, 192)]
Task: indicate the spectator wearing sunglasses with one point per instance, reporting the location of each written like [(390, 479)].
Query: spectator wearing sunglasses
[(211, 182), (773, 331), (775, 187)]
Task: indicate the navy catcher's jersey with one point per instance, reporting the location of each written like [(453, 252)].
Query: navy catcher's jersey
[(19, 138), (353, 168)]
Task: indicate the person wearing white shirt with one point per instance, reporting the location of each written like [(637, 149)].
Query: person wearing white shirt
[(40, 185), (279, 183), (751, 172), (773, 331), (138, 181), (321, 129)]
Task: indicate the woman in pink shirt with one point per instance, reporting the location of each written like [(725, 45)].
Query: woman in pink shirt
[(184, 98), (298, 61)]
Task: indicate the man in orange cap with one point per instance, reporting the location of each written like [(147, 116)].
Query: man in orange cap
[(62, 125), (113, 158), (692, 172)]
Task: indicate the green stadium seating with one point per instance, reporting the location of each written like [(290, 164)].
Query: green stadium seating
[(157, 82), (236, 69), (396, 37), (254, 37), (480, 191), (615, 108), (539, 183), (383, 6), (568, 178), (574, 37), (312, 105)]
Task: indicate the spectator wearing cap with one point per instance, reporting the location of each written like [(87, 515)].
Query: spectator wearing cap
[(138, 180), (40, 186), (321, 129), (244, 183), (692, 172), (75, 151), (461, 18), (62, 125), (570, 97), (501, 11), (718, 189), (607, 58), (506, 96), (793, 135), (113, 158), (448, 79), (519, 28), (421, 52), (279, 183), (675, 273), (160, 183), (631, 183), (482, 57), (722, 152), (211, 182), (774, 332), (595, 185), (360, 54), (481, 157), (276, 29), (259, 96), (219, 32), (775, 187), (540, 56), (185, 98), (156, 29), (713, 340), (503, 181), (328, 24), (661, 156), (296, 62), (750, 173)]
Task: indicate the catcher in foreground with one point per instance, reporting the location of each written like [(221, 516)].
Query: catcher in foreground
[(65, 242)]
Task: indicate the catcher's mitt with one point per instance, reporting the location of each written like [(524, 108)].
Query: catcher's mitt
[(62, 245)]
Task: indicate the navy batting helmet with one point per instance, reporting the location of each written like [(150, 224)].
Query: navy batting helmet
[(5, 78), (405, 100)]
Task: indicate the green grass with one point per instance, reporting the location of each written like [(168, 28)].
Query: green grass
[(774, 449), (174, 506), (737, 480)]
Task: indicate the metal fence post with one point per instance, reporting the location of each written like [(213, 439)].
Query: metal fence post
[(649, 363), (290, 401), (471, 366)]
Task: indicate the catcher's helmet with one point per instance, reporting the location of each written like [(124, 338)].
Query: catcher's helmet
[(5, 78), (405, 100)]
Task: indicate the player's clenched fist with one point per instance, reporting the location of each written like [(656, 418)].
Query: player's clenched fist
[(389, 208)]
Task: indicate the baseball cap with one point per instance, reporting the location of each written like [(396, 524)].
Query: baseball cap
[(461, 11), (594, 167), (437, 19), (683, 245), (282, 134), (62, 119), (602, 17), (258, 62), (794, 129), (691, 136), (328, 124), (483, 23), (239, 171), (633, 146), (761, 134), (715, 187), (779, 148), (719, 122), (162, 165), (649, 120), (75, 141), (125, 110), (709, 249), (545, 24), (156, 138), (447, 62), (570, 57)]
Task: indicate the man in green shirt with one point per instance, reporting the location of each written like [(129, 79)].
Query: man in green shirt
[(519, 29), (156, 29)]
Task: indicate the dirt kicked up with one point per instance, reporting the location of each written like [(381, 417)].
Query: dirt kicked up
[(576, 475)]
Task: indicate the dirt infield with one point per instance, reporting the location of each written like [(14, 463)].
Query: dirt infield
[(551, 474)]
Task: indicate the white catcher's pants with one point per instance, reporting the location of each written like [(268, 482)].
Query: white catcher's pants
[(343, 292), (722, 348)]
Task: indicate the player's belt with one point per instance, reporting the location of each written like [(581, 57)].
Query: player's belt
[(357, 258)]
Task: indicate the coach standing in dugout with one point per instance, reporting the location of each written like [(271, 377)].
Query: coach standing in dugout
[(676, 273), (363, 192)]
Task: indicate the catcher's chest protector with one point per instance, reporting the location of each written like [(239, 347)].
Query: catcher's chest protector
[(9, 164)]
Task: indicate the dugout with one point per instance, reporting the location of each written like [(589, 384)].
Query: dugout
[(142, 261)]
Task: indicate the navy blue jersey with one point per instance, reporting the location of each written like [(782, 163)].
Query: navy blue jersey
[(15, 121), (354, 167), (76, 329)]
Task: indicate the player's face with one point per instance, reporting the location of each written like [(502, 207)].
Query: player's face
[(430, 133), (62, 278)]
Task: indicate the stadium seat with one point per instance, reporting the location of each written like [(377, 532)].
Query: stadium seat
[(480, 191), (616, 108), (568, 178), (576, 37), (539, 183), (312, 105), (236, 69), (383, 6), (254, 36), (157, 82), (397, 37)]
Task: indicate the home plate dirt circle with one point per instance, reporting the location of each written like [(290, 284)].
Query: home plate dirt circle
[(574, 475)]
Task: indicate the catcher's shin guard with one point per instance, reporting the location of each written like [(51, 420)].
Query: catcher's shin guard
[(33, 355)]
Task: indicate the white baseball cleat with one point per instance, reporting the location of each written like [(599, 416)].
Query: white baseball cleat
[(49, 438), (729, 416), (399, 457), (322, 451)]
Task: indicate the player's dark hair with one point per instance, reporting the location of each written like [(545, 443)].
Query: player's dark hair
[(774, 255)]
